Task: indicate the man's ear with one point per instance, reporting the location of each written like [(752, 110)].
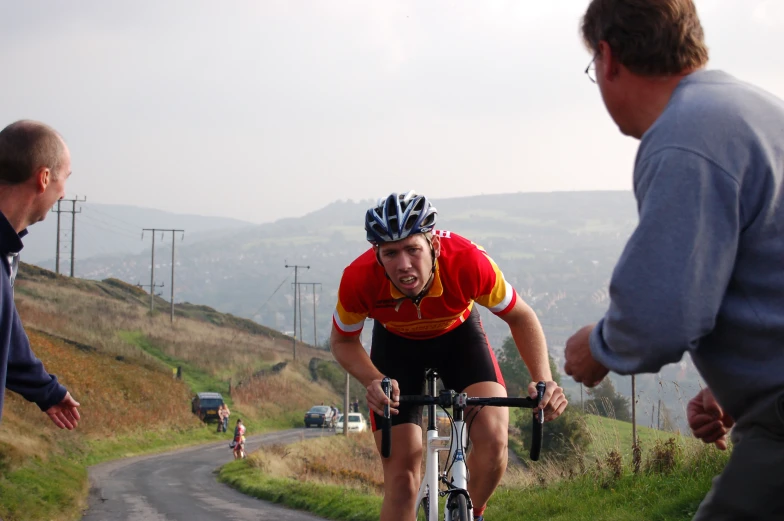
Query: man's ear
[(436, 242), (608, 65), (42, 178)]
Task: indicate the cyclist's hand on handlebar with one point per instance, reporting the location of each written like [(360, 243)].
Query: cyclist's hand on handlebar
[(707, 419), (376, 397), (553, 402)]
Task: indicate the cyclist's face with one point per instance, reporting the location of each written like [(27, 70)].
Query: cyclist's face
[(408, 263)]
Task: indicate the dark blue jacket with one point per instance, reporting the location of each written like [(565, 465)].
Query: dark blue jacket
[(20, 370)]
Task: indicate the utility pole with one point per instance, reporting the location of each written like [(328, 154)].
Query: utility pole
[(73, 213), (152, 271), (315, 338), (313, 284), (345, 407), (294, 333), (152, 263), (57, 257), (299, 310), (172, 279), (634, 414), (73, 233)]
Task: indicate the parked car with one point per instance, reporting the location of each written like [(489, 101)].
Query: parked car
[(206, 405), (320, 416), (356, 423)]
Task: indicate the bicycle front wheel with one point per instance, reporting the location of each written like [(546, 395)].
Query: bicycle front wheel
[(459, 508)]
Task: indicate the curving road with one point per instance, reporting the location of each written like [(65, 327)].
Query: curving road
[(181, 486)]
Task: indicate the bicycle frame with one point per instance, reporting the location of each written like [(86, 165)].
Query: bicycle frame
[(455, 478), (456, 444)]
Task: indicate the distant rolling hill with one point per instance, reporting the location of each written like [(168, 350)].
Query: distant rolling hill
[(557, 249)]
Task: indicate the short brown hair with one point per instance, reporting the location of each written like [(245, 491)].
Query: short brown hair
[(26, 146), (649, 37)]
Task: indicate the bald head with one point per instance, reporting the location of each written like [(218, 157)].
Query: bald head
[(25, 148)]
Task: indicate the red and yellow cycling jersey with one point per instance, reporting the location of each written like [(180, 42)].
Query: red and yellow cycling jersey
[(465, 274)]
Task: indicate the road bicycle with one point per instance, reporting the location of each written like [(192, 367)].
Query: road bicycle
[(454, 476)]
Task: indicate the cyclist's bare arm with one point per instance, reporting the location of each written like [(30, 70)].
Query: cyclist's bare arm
[(529, 338), (350, 354)]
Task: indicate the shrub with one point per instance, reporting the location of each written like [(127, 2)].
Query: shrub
[(664, 457), (563, 437)]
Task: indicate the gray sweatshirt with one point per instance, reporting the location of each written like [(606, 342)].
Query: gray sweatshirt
[(704, 269)]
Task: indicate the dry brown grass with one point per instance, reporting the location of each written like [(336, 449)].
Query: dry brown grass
[(81, 313), (277, 394), (91, 316), (348, 461), (116, 398), (337, 460), (354, 462)]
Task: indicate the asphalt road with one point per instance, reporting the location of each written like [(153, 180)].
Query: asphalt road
[(181, 486)]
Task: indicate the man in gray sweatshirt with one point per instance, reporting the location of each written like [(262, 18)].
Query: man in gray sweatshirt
[(704, 270)]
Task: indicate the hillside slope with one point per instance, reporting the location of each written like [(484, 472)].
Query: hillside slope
[(99, 338)]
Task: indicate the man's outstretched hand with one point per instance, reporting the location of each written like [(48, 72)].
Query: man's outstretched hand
[(580, 364), (66, 413), (707, 419)]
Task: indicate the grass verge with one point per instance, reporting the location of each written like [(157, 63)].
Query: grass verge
[(648, 496), (329, 501), (332, 477), (53, 489)]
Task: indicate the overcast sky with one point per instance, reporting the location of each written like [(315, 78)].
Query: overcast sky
[(265, 109)]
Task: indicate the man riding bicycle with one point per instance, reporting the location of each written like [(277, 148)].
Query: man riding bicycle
[(420, 285)]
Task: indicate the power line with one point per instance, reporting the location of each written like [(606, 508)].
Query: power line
[(273, 294), (102, 226), (140, 285), (134, 227), (237, 332), (96, 242), (113, 225)]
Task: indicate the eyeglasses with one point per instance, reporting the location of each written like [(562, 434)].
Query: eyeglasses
[(590, 71)]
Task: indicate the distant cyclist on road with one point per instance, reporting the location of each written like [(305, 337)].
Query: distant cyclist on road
[(239, 440), (420, 285)]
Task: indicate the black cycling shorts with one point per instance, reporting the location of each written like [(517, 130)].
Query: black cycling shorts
[(461, 357)]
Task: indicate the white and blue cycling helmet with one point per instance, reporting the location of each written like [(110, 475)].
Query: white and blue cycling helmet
[(399, 216)]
